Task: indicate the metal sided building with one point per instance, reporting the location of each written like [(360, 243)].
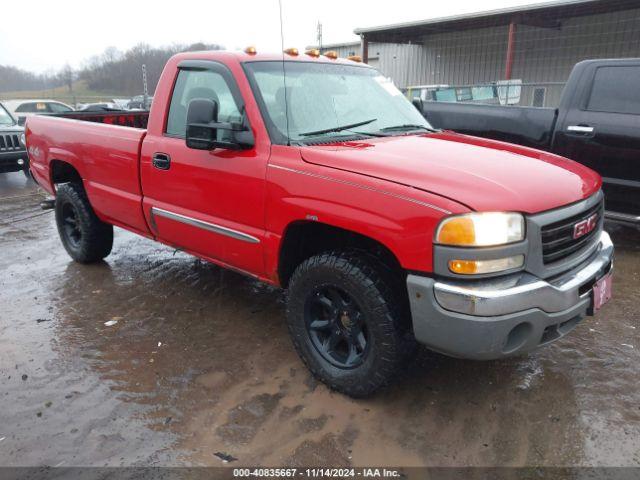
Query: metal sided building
[(538, 44), (391, 59)]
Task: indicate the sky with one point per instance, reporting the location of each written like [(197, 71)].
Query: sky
[(47, 35)]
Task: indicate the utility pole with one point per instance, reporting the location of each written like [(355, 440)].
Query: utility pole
[(144, 86), (319, 35)]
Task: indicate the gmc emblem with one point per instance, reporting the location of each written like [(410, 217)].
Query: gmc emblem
[(580, 229)]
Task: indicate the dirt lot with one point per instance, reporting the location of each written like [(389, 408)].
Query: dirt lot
[(200, 362)]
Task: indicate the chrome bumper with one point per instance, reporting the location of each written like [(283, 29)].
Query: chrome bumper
[(524, 291)]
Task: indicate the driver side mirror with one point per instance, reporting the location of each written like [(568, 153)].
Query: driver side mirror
[(203, 126), (201, 115)]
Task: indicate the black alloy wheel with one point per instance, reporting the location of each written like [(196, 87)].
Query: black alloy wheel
[(71, 228), (336, 326)]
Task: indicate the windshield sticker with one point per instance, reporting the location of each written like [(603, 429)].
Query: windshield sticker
[(388, 85)]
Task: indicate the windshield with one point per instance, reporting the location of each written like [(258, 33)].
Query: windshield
[(330, 100), (5, 118)]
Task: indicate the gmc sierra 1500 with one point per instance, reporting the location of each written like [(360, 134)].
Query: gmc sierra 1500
[(316, 174)]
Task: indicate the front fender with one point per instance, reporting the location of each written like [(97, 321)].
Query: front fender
[(399, 217)]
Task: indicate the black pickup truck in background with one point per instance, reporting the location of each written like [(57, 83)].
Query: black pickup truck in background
[(596, 124)]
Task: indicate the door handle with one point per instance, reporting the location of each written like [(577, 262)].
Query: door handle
[(161, 161), (580, 129)]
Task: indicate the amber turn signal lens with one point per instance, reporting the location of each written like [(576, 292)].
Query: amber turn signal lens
[(458, 231), (463, 267), (474, 267)]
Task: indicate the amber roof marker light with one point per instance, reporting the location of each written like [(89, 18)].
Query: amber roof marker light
[(291, 51), (332, 54), (251, 50), (313, 52), (355, 58)]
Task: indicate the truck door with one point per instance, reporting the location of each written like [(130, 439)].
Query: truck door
[(602, 131), (209, 203)]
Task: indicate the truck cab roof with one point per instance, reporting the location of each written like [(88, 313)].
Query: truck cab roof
[(242, 56)]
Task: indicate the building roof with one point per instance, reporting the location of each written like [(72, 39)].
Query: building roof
[(547, 14), (336, 45)]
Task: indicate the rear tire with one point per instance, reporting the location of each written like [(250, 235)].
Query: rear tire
[(84, 236), (346, 322)]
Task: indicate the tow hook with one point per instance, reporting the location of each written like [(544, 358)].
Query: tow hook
[(48, 204)]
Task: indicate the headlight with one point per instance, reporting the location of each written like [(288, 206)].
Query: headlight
[(23, 139), (481, 229)]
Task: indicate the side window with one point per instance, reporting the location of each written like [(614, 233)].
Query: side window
[(192, 84), (59, 108), (29, 108), (616, 90)]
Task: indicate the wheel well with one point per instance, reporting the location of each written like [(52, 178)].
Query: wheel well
[(63, 172), (303, 240)]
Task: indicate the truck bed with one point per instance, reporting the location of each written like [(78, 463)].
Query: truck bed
[(123, 118), (528, 126), (104, 152)]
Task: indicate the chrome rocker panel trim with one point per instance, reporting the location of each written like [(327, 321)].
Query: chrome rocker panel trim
[(212, 227)]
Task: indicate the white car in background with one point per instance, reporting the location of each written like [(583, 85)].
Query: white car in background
[(21, 109)]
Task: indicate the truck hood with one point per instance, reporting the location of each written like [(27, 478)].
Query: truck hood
[(11, 129), (484, 175)]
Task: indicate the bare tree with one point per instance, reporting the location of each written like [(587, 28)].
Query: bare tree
[(111, 72), (67, 76)]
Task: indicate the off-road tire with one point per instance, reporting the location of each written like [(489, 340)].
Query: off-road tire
[(377, 293), (94, 238)]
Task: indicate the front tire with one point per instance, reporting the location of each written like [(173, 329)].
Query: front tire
[(346, 322), (84, 236)]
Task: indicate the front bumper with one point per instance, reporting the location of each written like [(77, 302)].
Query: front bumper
[(13, 161), (498, 317)]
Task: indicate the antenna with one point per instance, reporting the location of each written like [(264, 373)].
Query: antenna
[(284, 77), (144, 87), (319, 35)]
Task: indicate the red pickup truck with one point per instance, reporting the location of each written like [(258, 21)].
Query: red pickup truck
[(317, 175)]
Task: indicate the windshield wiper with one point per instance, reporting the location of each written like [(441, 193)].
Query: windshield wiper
[(370, 134), (337, 129), (407, 126)]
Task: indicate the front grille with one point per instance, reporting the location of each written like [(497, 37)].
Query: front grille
[(9, 142), (557, 238)]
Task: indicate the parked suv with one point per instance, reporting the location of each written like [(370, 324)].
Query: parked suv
[(13, 154)]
